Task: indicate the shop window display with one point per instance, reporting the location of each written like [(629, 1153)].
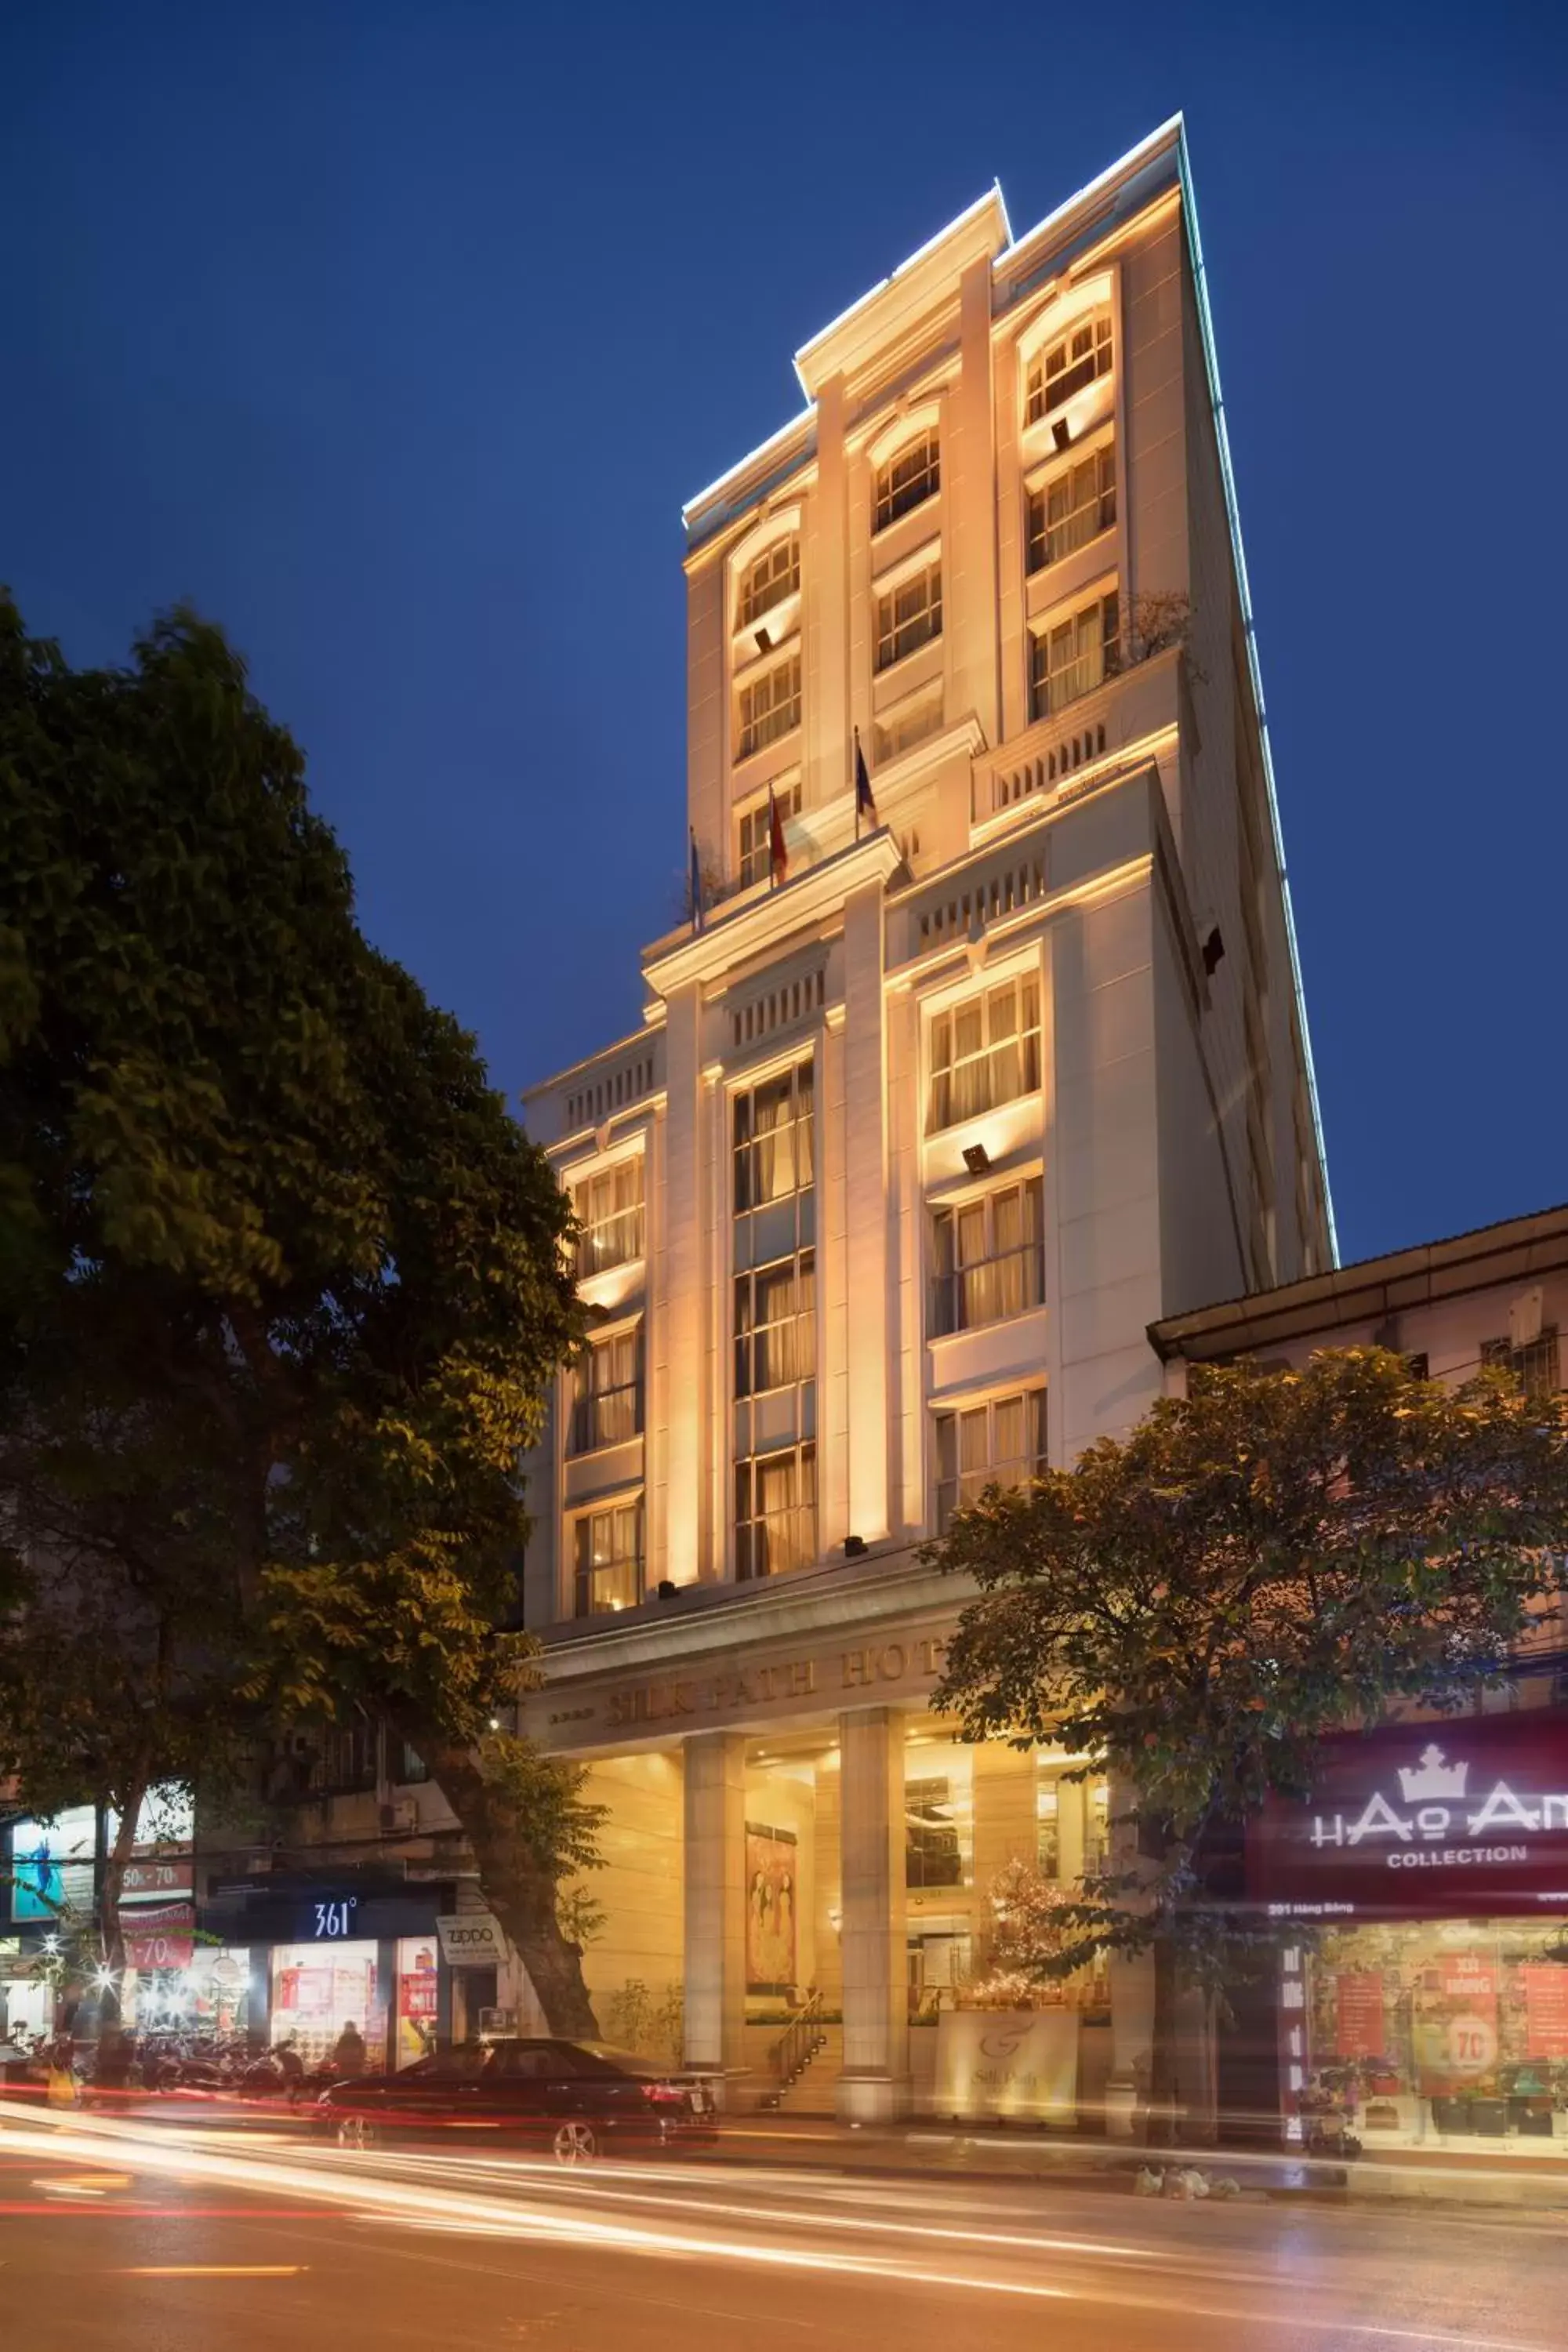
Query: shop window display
[(1440, 2030), (318, 1990)]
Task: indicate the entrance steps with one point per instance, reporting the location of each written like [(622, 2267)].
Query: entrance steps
[(808, 2090)]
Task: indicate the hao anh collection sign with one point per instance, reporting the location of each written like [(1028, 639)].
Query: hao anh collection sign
[(1464, 1819)]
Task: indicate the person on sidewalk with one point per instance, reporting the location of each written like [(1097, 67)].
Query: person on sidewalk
[(349, 2056)]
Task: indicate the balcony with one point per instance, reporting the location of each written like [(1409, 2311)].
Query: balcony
[(990, 1290)]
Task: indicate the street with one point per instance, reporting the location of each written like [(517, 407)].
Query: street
[(186, 2236)]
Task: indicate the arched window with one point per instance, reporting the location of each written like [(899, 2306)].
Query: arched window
[(908, 478), (1059, 369), (768, 579)]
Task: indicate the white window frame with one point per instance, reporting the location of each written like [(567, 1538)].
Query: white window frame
[(619, 1213), (756, 728), (605, 1401), (1078, 526), (990, 1085), (924, 478), (973, 1287), (766, 578), (1088, 641), (1015, 1469), (615, 1515), (753, 846), (908, 616), (1046, 389)]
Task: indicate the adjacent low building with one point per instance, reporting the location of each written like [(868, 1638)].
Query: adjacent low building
[(1427, 2003)]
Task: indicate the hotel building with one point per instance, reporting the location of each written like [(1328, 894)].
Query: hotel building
[(927, 1121)]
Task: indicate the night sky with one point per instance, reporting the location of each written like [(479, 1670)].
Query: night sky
[(394, 338)]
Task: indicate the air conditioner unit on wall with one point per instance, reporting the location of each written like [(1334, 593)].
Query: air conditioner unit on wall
[(402, 1815)]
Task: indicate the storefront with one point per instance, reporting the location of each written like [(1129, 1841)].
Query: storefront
[(1427, 2003), (303, 1960)]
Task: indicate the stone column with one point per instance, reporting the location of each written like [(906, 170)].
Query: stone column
[(685, 1557), (865, 1215), (874, 2083), (715, 1775)]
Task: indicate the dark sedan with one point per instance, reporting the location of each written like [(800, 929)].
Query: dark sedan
[(577, 2098)]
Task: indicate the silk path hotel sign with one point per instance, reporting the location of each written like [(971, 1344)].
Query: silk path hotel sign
[(1464, 1819), (741, 1687)]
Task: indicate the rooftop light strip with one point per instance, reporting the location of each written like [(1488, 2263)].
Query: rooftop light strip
[(993, 195), (1123, 168), (1227, 478)]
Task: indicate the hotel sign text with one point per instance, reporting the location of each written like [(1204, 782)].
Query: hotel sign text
[(849, 1675)]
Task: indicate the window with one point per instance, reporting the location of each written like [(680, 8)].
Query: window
[(984, 1052), (349, 1760), (609, 1209), (1534, 1366), (908, 480), (909, 616), (775, 576), (1065, 366), (909, 722), (756, 847), (775, 1511), (932, 1855), (775, 1325), (606, 1406), (609, 1562), (769, 707), (1074, 507), (1072, 657), (1001, 1443), (990, 1259), (774, 1130)]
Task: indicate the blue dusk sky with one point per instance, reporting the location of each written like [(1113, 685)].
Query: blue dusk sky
[(394, 338)]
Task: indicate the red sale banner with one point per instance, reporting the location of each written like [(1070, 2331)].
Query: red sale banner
[(1545, 2008), (1359, 2026), (161, 1938)]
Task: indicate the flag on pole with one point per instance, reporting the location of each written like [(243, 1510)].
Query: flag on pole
[(778, 849), (864, 803), (696, 887)]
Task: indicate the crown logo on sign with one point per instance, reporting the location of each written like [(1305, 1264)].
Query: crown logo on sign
[(1435, 1779)]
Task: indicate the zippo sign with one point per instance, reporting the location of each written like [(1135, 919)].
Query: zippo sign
[(1465, 1818)]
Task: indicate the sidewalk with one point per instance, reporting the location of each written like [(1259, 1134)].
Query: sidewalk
[(1445, 2177)]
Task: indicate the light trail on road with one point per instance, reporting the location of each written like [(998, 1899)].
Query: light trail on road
[(784, 2223)]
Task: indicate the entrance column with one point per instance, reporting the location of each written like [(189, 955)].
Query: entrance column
[(874, 2083), (715, 1775)]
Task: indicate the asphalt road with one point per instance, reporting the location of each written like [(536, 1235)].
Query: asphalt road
[(116, 2237)]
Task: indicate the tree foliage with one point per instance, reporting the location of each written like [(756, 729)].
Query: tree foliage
[(281, 1282), (1273, 1556)]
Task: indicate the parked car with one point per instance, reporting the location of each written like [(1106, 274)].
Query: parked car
[(579, 2099)]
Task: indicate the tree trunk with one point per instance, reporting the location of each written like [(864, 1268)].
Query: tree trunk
[(1161, 2122), (522, 1895), (110, 1927)]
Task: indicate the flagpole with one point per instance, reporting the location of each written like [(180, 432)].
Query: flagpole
[(857, 783)]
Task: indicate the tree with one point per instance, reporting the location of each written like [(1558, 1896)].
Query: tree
[(281, 1282), (1271, 1558)]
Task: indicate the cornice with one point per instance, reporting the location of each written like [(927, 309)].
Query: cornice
[(752, 930)]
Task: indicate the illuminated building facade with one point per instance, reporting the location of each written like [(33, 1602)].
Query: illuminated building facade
[(951, 1087)]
